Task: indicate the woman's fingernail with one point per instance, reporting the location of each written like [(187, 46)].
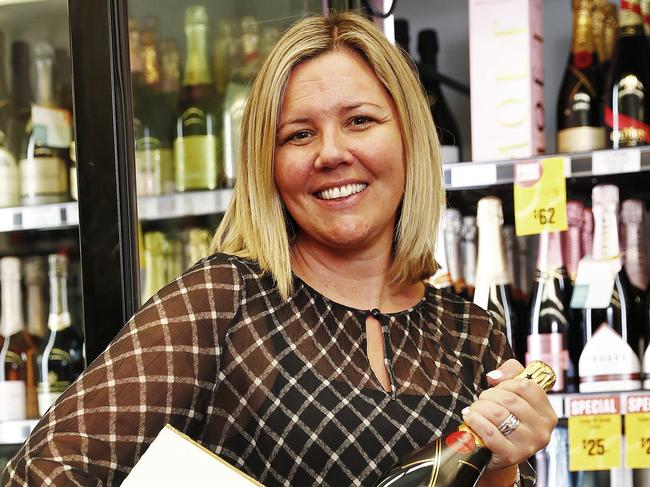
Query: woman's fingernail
[(465, 411), (495, 374)]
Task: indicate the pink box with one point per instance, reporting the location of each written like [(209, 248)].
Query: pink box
[(506, 49)]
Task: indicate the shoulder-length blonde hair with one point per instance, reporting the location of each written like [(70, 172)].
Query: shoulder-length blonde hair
[(256, 225)]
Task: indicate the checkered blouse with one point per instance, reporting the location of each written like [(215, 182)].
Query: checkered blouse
[(280, 388)]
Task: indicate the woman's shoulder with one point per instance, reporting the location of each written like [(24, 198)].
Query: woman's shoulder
[(458, 312)]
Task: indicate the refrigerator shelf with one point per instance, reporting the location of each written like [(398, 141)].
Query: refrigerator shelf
[(183, 204), (485, 174), (39, 217)]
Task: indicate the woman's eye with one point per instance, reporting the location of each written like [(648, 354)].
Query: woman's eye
[(298, 136), (360, 120)]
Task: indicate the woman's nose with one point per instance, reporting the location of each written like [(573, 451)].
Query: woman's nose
[(333, 150)]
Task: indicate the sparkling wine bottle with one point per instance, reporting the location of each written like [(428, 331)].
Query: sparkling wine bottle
[(468, 252), (627, 99), (9, 187), (549, 319), (587, 234), (573, 238), (578, 106), (452, 251), (493, 284), (609, 360), (456, 460)]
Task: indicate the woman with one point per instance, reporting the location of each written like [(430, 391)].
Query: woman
[(308, 351)]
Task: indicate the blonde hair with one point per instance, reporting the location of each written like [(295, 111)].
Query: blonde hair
[(256, 225)]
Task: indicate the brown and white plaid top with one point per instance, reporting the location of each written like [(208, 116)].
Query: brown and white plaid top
[(282, 389)]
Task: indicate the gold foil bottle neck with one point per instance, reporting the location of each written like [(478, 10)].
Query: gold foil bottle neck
[(540, 373)]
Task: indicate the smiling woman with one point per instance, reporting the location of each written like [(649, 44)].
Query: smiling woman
[(308, 349)]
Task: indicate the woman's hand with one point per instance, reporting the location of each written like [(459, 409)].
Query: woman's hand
[(526, 401)]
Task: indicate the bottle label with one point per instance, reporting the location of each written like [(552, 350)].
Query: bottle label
[(49, 392), (154, 166), (628, 128), (630, 13), (43, 176), (9, 186), (12, 400), (196, 162), (580, 139), (608, 363), (52, 127), (549, 348)]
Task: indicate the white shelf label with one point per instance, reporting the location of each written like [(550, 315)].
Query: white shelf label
[(473, 174), (615, 161)]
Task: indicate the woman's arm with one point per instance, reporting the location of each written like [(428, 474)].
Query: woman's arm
[(160, 369)]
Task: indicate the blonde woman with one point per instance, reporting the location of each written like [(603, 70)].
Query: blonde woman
[(307, 350)]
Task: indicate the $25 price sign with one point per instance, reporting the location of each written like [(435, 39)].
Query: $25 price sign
[(540, 195), (637, 431), (594, 433)]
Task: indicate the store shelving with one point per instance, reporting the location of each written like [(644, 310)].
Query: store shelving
[(59, 215), (183, 204)]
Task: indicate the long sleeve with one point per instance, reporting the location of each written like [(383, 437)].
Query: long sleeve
[(161, 368)]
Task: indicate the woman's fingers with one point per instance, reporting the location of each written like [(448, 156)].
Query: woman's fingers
[(508, 370)]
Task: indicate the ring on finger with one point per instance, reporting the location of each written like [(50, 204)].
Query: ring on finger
[(509, 425)]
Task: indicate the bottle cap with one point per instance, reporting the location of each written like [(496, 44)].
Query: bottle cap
[(452, 220), (10, 268), (58, 264), (43, 50), (632, 211), (196, 14), (489, 211), (34, 268), (155, 242), (604, 193), (574, 213)]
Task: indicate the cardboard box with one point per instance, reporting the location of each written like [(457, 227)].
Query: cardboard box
[(506, 78)]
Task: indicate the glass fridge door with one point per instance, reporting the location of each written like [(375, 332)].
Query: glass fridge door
[(191, 65), (41, 319)]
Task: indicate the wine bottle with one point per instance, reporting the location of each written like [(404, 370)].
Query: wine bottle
[(175, 259), (9, 188), (452, 251), (636, 267), (17, 354), (493, 285), (197, 154), (549, 318), (61, 357), (627, 100), (43, 164), (153, 154), (443, 118), (21, 95), (587, 234), (468, 252), (236, 95), (198, 245), (573, 238), (610, 35), (155, 248), (458, 459), (35, 279), (609, 360), (441, 279), (578, 106), (598, 31)]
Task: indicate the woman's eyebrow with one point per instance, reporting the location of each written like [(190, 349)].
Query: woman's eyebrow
[(342, 109)]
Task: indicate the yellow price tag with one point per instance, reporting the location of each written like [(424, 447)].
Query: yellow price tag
[(637, 432), (540, 196), (594, 434)]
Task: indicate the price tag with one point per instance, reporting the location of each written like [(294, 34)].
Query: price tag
[(637, 432), (616, 161), (472, 174), (594, 433), (540, 196), (594, 283), (52, 126)]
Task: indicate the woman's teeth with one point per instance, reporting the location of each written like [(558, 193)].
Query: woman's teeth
[(341, 192)]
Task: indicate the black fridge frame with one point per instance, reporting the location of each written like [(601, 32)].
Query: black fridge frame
[(108, 219)]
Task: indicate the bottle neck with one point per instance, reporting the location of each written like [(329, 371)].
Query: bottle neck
[(550, 255), (606, 240), (452, 249), (582, 45), (21, 86), (197, 71), (491, 264), (151, 76), (573, 251), (59, 317), (636, 265), (44, 91), (11, 321), (155, 265), (36, 324), (630, 15)]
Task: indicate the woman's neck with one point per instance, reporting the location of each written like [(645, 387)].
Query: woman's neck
[(359, 278)]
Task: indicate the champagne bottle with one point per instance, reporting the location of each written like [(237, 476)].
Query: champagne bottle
[(627, 99), (587, 234), (443, 118), (442, 277), (225, 50), (458, 459), (468, 251), (549, 319), (493, 285), (578, 105), (197, 154), (573, 238), (16, 348), (198, 245), (61, 356), (9, 188), (153, 153), (236, 95), (609, 360), (175, 261), (452, 251), (636, 267), (610, 36), (155, 248), (43, 164), (598, 30), (21, 93), (35, 279)]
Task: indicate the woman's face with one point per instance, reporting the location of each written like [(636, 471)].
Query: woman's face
[(339, 164)]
